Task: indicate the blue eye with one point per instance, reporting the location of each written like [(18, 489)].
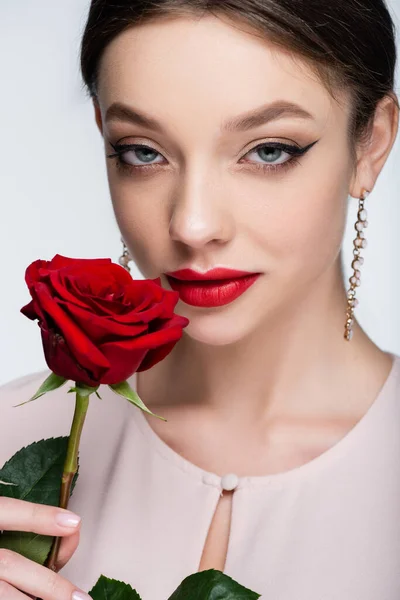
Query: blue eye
[(144, 153), (268, 152)]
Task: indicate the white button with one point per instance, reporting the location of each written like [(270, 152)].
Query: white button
[(229, 482)]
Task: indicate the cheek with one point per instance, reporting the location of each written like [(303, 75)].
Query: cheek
[(300, 224), (141, 219), (317, 233)]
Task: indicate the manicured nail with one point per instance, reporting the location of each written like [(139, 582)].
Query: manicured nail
[(80, 596), (67, 519)]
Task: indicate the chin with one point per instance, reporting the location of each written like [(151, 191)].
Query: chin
[(215, 328)]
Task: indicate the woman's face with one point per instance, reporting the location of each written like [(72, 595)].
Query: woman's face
[(202, 195)]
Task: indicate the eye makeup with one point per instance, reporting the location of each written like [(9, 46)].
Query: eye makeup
[(294, 152)]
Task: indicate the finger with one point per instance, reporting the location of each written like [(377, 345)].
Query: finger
[(8, 592), (36, 580), (67, 548), (19, 515)]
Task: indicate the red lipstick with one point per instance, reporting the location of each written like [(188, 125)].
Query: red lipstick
[(216, 287)]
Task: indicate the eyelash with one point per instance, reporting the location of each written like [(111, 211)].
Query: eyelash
[(294, 151)]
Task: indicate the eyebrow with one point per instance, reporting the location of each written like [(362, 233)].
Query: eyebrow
[(249, 120)]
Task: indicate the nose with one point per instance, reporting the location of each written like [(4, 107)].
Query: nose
[(199, 214)]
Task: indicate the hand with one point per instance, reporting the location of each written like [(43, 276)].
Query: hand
[(21, 578)]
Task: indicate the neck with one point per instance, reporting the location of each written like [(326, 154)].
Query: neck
[(297, 361)]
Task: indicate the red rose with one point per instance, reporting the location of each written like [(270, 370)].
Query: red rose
[(98, 325)]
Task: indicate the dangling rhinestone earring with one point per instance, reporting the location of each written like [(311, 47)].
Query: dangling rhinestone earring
[(125, 258), (355, 280)]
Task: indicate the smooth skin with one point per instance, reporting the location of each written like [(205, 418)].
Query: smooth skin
[(21, 578), (264, 383), (267, 382)]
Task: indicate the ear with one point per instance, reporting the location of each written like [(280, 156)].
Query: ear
[(97, 115), (372, 154)]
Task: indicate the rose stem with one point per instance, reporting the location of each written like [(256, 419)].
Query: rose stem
[(70, 468)]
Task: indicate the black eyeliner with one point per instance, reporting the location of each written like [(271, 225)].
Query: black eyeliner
[(121, 148), (294, 150)]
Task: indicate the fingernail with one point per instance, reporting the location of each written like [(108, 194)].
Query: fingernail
[(80, 596), (67, 519)]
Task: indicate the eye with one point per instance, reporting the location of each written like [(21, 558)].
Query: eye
[(270, 154), (141, 158), (275, 155), (134, 155)]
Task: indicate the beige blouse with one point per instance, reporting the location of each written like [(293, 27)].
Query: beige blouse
[(327, 530)]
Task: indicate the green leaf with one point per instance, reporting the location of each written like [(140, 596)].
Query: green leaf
[(83, 390), (212, 585), (52, 383), (34, 474), (31, 545), (111, 589), (124, 389), (6, 483)]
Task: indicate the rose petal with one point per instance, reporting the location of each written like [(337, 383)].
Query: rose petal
[(61, 361), (98, 328), (98, 324), (85, 352), (151, 348), (59, 261), (60, 287)]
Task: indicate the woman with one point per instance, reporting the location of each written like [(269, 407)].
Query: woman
[(234, 134)]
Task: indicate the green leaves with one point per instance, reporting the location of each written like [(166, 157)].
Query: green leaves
[(111, 589), (6, 483), (51, 383), (55, 381), (212, 585), (33, 546), (84, 390), (34, 474), (124, 389), (206, 585)]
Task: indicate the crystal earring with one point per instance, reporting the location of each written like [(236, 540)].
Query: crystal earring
[(125, 258), (355, 280)]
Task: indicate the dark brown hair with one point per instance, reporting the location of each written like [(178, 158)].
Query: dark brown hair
[(350, 44)]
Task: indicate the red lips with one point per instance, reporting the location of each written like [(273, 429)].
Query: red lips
[(218, 273), (216, 287)]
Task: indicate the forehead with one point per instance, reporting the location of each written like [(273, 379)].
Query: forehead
[(206, 68)]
